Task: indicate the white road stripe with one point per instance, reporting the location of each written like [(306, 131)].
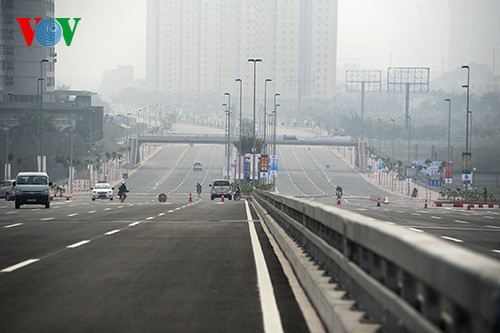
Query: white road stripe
[(92, 211), (17, 266), (496, 251), (436, 217), (270, 313), (110, 208), (134, 224), (78, 244), (417, 230), (150, 218), (492, 226), (112, 232), (170, 211), (161, 214), (416, 214), (74, 214), (47, 219), (13, 225), (452, 239), (460, 221)]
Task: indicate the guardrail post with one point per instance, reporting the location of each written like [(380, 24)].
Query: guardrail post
[(431, 305), (409, 291)]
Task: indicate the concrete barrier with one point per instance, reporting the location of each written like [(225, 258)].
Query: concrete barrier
[(404, 281)]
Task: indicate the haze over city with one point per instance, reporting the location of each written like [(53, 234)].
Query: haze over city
[(371, 35)]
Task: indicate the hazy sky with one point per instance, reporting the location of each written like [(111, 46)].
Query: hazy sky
[(113, 32)]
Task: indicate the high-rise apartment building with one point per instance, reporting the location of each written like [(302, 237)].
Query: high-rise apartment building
[(474, 33), (23, 66), (200, 46)]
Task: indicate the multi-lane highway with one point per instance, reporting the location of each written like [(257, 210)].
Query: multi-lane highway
[(187, 266), (304, 172)]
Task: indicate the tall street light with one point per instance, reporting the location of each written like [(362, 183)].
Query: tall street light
[(369, 128), (7, 137), (72, 130), (226, 134), (449, 129), (255, 61), (240, 152), (392, 120), (380, 136), (408, 118), (265, 114), (274, 139), (41, 109), (467, 111), (91, 164)]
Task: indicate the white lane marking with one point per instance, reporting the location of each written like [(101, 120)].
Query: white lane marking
[(72, 246), (112, 232), (110, 208), (134, 224), (417, 230), (496, 251), (270, 313), (92, 211), (10, 212), (74, 214), (452, 239), (150, 218), (361, 209), (161, 214), (47, 219), (492, 226), (17, 266), (13, 225), (170, 211), (436, 217), (416, 214), (460, 221)]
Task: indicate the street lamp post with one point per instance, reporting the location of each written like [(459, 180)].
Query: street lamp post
[(380, 136), (392, 120), (91, 164), (274, 138), (369, 129), (71, 172), (409, 147), (255, 61), (240, 152), (7, 137), (228, 134), (449, 128), (265, 114), (467, 86)]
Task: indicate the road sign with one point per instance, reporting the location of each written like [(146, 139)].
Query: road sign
[(467, 177), (435, 182)]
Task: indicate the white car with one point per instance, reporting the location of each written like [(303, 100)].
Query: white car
[(102, 191)]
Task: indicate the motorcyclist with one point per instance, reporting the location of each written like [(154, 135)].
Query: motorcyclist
[(122, 189), (237, 193), (339, 191), (198, 188)]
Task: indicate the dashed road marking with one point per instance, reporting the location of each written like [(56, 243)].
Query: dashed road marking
[(416, 214), (110, 208), (72, 246), (452, 239), (460, 221), (417, 230), (13, 225), (134, 224), (492, 226), (436, 217), (17, 266), (150, 218), (111, 232), (92, 211), (47, 219), (496, 251), (74, 214)]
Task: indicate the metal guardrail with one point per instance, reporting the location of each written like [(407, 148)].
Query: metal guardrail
[(403, 280)]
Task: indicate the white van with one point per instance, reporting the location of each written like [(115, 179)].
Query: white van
[(32, 188)]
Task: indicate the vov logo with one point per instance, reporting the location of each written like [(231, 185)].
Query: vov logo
[(48, 32)]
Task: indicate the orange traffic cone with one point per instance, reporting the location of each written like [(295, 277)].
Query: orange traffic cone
[(425, 204), (190, 198), (222, 198), (378, 201)]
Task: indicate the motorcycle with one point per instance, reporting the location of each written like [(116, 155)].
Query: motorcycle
[(237, 195), (122, 196)]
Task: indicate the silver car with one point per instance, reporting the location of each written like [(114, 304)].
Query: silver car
[(221, 187), (8, 189)]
